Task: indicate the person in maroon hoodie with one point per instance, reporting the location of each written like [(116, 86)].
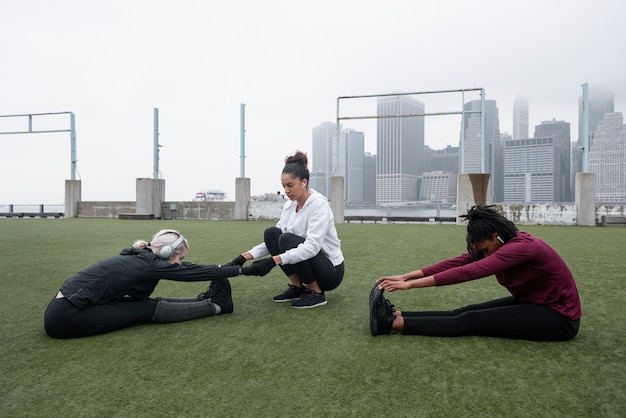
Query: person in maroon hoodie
[(544, 304)]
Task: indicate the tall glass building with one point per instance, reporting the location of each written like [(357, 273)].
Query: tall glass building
[(607, 158), (520, 118), (399, 149), (471, 153)]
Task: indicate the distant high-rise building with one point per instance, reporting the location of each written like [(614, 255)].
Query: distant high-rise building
[(400, 149), (529, 174), (446, 159), (369, 179), (537, 169), (343, 158), (560, 131), (607, 158), (350, 165), (520, 118), (438, 187), (471, 154), (601, 101), (322, 158)]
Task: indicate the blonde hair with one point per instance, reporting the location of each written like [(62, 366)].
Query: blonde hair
[(162, 238)]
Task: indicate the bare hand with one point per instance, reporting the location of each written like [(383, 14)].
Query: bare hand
[(398, 278), (392, 283)]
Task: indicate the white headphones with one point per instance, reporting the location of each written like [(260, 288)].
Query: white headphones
[(167, 251)]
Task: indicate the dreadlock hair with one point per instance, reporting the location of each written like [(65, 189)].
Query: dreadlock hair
[(483, 222)]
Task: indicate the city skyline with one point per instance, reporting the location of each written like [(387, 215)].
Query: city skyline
[(112, 63), (531, 169)]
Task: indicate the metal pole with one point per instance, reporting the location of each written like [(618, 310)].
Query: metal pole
[(242, 141), (585, 128), (72, 143), (482, 131), (155, 150), (335, 145)]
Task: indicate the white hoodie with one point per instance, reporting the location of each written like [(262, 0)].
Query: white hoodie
[(315, 223)]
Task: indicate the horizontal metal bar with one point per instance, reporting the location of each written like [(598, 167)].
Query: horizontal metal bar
[(36, 132), (35, 114), (408, 94), (407, 115)]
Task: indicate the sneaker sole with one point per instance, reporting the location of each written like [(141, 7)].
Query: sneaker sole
[(375, 296), (285, 300), (310, 306)]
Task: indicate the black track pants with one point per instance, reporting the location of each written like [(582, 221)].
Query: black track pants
[(64, 320), (318, 268), (505, 318)]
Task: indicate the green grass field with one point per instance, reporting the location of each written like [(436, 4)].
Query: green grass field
[(267, 359)]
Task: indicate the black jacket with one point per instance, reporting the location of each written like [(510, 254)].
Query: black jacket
[(134, 274)]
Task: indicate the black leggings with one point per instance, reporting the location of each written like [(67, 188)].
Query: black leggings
[(506, 318), (317, 269), (64, 320)]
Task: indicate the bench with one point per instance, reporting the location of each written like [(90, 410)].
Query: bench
[(140, 216), (407, 219), (613, 220), (31, 214), (363, 218)]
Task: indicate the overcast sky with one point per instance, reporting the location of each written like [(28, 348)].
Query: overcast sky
[(112, 62)]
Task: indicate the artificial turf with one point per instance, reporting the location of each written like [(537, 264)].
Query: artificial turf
[(267, 359)]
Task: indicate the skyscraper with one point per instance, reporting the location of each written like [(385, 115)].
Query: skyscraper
[(369, 179), (601, 101), (350, 165), (471, 153), (343, 158), (321, 167), (400, 149), (560, 131), (607, 158), (520, 118), (537, 169)]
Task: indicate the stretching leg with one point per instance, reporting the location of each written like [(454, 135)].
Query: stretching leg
[(505, 318), (64, 320)]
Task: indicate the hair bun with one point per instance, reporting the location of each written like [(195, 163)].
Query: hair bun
[(298, 158)]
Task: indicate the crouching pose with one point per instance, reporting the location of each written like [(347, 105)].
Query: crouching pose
[(303, 243), (544, 305), (115, 293)]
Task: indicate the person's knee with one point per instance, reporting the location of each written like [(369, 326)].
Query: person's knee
[(288, 241), (271, 234)]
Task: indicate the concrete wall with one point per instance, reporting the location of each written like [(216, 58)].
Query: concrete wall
[(538, 214), (104, 209)]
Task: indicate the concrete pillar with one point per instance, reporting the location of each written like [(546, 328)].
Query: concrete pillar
[(72, 197), (336, 198), (586, 199), (150, 195), (471, 189), (242, 198)]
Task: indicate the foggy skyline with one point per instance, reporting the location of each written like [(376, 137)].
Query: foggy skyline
[(112, 63)]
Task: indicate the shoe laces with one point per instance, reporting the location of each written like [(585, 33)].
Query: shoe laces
[(388, 305)]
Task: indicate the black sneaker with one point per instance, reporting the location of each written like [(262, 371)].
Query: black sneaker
[(209, 292), (310, 299), (220, 294), (381, 312), (292, 293)]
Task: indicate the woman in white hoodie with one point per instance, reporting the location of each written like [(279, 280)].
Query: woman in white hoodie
[(303, 243)]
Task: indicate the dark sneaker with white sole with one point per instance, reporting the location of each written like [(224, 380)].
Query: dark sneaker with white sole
[(309, 299), (381, 312), (220, 294), (292, 293)]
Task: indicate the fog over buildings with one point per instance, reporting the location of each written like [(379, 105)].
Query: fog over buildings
[(524, 169), (112, 63)]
